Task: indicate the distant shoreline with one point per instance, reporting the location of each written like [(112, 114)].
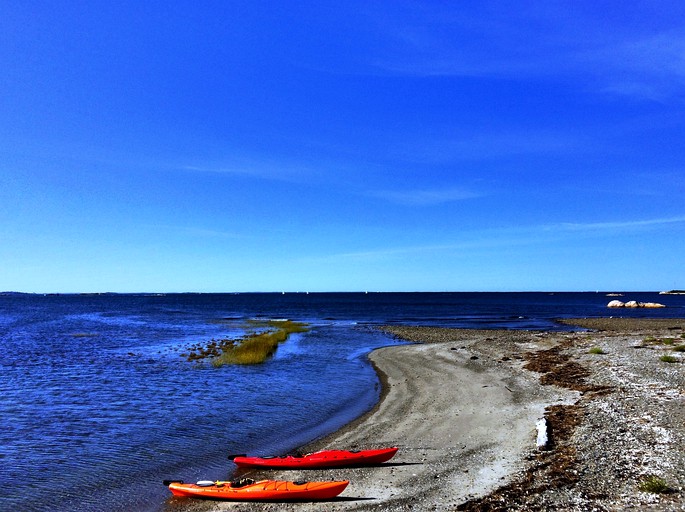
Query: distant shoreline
[(162, 294)]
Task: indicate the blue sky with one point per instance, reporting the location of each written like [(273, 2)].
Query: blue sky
[(340, 146)]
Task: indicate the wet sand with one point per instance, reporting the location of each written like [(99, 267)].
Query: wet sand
[(462, 406)]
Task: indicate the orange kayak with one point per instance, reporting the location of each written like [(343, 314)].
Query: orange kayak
[(263, 490), (322, 459)]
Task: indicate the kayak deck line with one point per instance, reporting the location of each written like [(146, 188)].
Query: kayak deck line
[(320, 459)]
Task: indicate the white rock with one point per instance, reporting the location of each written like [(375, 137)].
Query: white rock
[(634, 304), (542, 440), (651, 305)]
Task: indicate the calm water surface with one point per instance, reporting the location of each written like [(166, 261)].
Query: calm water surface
[(97, 406)]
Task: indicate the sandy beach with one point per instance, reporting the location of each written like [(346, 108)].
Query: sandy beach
[(462, 406)]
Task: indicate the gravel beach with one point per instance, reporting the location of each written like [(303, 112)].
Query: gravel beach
[(462, 406)]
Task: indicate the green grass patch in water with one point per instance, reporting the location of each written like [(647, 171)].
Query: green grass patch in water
[(258, 346)]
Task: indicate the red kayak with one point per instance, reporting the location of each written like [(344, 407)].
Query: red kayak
[(264, 490), (322, 459)]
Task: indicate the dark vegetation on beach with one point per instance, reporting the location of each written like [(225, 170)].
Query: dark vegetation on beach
[(260, 343), (555, 467), (559, 467)]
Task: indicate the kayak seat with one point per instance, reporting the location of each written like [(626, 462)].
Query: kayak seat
[(242, 482)]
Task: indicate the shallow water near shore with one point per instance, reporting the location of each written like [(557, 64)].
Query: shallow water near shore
[(97, 406)]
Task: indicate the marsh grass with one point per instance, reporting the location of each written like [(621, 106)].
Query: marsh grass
[(669, 359), (257, 347), (653, 484), (679, 348), (596, 350), (652, 340)]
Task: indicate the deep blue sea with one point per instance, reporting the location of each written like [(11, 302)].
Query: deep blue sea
[(97, 406)]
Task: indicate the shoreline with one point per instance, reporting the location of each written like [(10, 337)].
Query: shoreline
[(462, 405)]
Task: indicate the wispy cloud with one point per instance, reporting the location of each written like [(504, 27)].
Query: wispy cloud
[(426, 197), (198, 232), (615, 225), (652, 67), (488, 145), (391, 252), (509, 237), (238, 169), (263, 169), (550, 41), (434, 39)]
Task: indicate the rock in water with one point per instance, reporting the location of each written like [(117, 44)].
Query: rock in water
[(634, 304)]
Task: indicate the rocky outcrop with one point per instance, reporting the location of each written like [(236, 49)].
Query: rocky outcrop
[(634, 304), (651, 305)]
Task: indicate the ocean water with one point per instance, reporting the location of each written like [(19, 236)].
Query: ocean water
[(97, 406)]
